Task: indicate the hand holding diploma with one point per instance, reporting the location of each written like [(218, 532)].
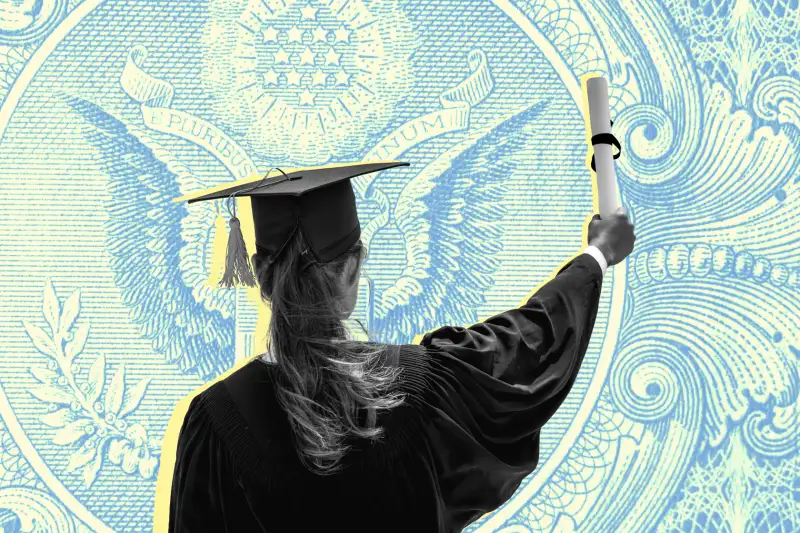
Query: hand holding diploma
[(613, 235)]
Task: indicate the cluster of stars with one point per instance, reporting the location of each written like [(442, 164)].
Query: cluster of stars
[(293, 77), (296, 35), (306, 57), (301, 54)]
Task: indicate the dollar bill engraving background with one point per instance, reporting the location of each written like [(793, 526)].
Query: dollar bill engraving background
[(685, 413)]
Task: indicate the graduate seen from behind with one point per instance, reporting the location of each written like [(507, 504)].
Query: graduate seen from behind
[(327, 433)]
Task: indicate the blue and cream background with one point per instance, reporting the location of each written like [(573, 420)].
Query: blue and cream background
[(685, 413)]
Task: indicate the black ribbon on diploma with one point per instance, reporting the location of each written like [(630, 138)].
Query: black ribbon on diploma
[(606, 138)]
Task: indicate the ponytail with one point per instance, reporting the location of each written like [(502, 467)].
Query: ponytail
[(323, 378)]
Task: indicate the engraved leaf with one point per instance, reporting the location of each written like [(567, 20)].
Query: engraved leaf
[(71, 308), (71, 432), (51, 306), (80, 458), (115, 392), (40, 339), (76, 345), (97, 378), (135, 396), (47, 393), (45, 375), (91, 469), (59, 418)]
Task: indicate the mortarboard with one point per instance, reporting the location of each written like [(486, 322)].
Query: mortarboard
[(318, 200)]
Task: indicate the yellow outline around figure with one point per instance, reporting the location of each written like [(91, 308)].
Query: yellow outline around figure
[(169, 444)]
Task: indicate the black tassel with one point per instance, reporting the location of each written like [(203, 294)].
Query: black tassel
[(237, 261)]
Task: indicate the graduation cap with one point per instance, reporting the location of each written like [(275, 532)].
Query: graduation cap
[(318, 200)]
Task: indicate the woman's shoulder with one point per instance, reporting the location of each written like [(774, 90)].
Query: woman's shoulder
[(250, 390), (244, 411), (249, 393), (245, 419)]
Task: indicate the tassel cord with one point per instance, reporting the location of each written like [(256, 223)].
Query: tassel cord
[(238, 269)]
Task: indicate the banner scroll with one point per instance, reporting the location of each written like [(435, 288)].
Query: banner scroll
[(456, 103), (155, 97)]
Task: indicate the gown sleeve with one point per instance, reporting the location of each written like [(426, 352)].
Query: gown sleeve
[(205, 493), (494, 385), (545, 338)]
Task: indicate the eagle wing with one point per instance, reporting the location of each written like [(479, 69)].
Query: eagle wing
[(158, 249), (450, 218)]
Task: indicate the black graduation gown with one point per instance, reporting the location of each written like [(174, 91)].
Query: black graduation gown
[(459, 447)]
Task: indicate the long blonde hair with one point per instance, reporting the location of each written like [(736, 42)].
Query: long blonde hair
[(323, 377)]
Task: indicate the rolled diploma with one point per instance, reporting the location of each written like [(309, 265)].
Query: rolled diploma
[(597, 89)]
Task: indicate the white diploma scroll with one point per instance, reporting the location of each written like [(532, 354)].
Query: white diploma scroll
[(597, 89)]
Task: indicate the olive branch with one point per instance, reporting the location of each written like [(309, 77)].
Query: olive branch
[(91, 426)]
